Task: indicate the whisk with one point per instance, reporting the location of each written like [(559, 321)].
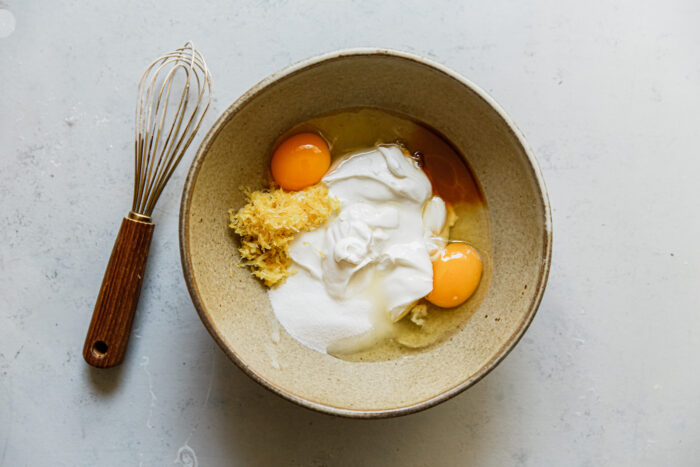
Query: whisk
[(173, 95)]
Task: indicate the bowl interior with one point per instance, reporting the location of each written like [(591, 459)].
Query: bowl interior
[(234, 306)]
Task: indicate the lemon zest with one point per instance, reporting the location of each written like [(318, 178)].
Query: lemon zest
[(271, 219)]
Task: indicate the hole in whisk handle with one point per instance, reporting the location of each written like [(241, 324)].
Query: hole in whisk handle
[(99, 349)]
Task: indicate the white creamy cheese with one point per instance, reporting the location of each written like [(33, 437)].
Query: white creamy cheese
[(362, 270)]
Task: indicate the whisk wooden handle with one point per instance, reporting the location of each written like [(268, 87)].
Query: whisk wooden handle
[(108, 335)]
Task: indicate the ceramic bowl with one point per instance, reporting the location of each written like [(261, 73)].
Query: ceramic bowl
[(234, 306)]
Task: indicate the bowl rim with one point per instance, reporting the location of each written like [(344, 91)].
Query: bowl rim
[(285, 73)]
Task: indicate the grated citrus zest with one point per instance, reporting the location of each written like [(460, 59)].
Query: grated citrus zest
[(271, 219)]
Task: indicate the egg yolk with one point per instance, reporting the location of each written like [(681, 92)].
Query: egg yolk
[(300, 161), (456, 275), (450, 177)]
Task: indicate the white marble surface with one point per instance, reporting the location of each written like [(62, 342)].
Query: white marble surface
[(608, 374)]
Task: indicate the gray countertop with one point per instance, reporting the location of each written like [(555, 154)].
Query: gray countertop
[(607, 95)]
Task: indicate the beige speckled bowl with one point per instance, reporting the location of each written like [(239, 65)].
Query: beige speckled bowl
[(234, 306)]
